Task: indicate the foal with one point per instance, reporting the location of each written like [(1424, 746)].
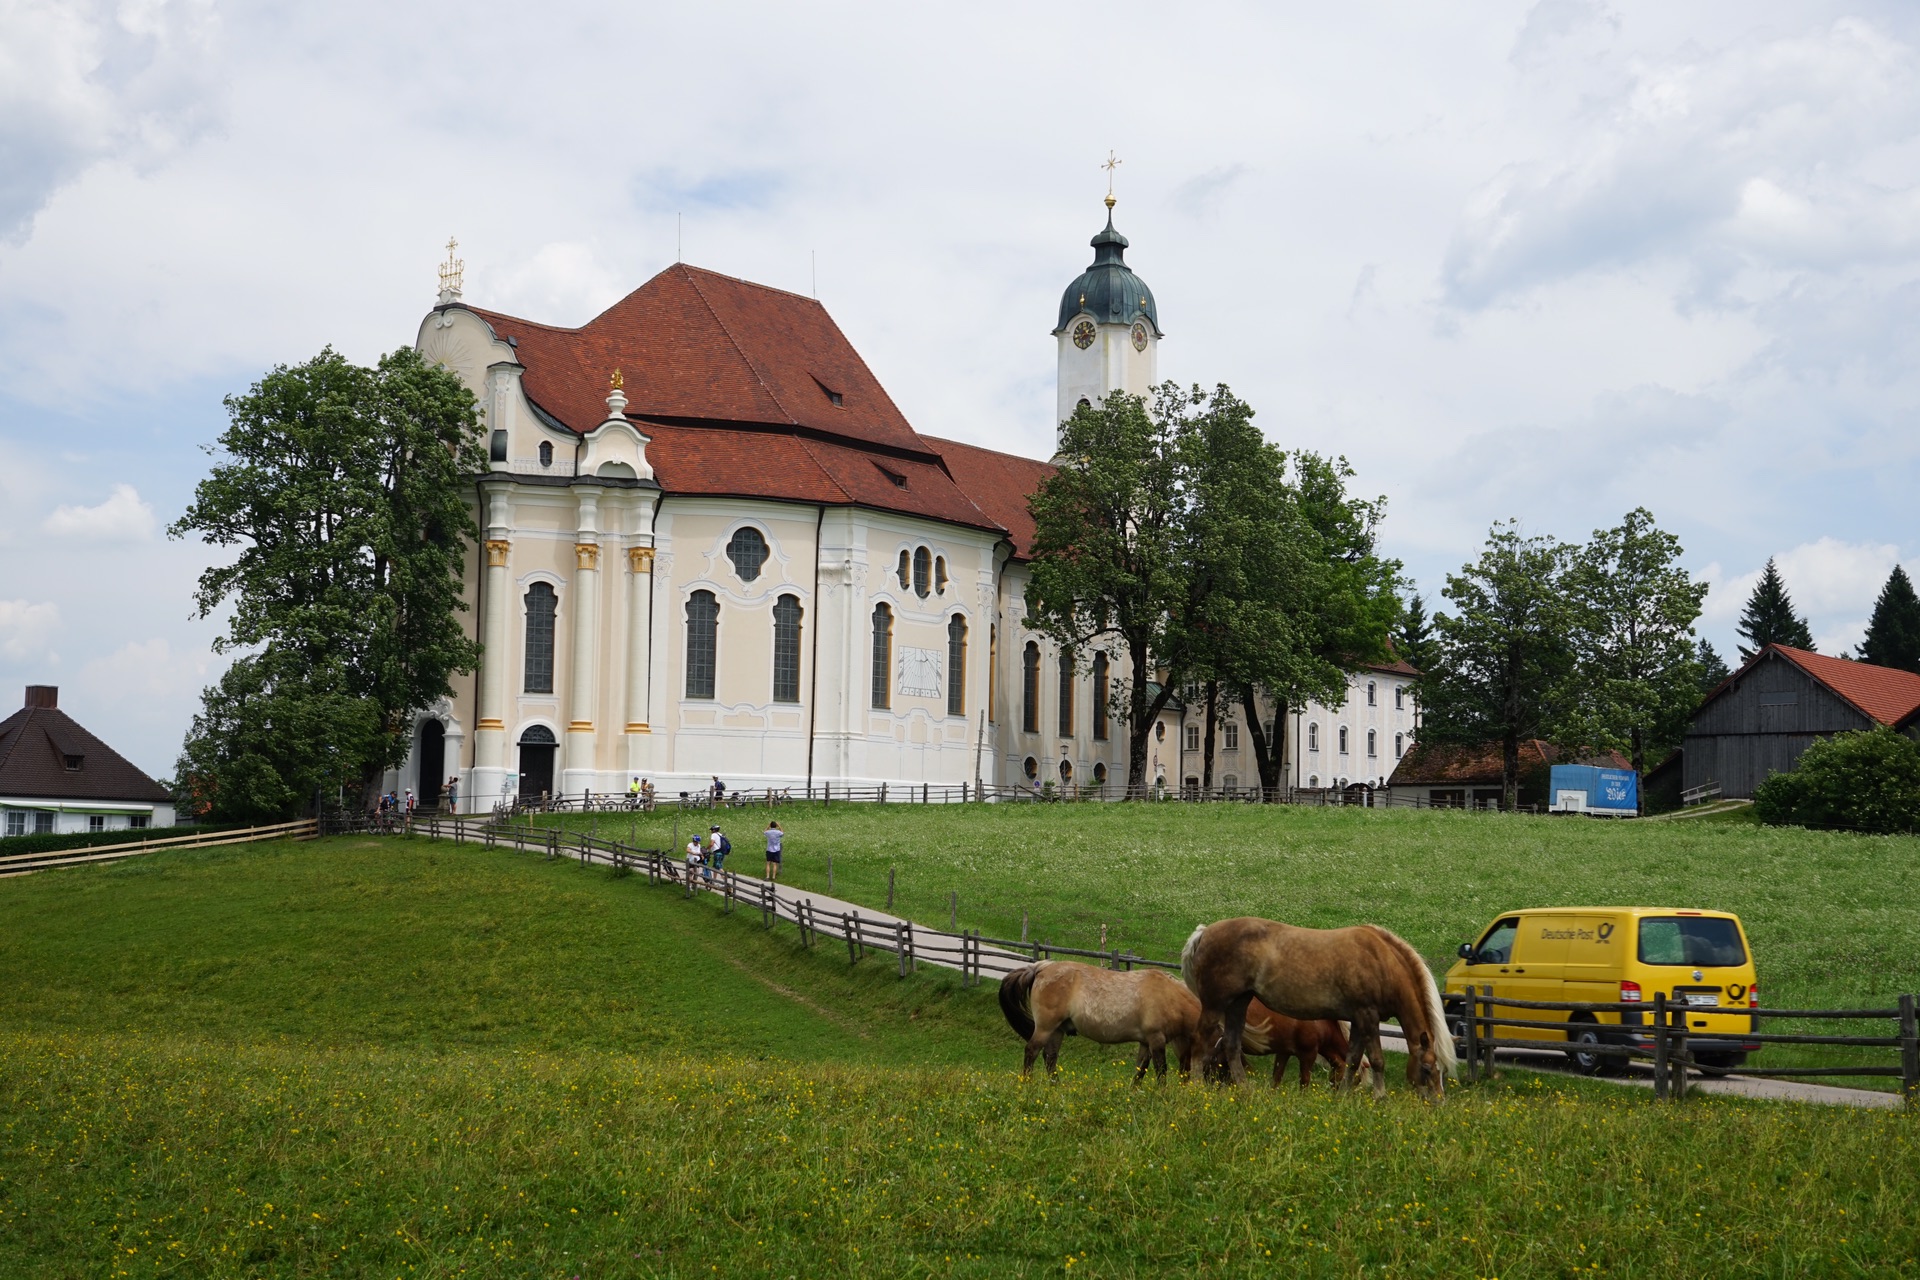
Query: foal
[(1283, 1037)]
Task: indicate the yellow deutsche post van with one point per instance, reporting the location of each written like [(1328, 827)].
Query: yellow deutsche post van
[(1617, 955)]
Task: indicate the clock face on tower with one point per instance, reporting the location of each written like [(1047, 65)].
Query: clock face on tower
[(1083, 334), (1139, 336)]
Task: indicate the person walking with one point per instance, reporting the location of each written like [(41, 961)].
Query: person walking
[(694, 859), (453, 794), (775, 839), (718, 847), (633, 794)]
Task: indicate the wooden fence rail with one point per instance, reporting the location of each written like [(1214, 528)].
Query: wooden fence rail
[(21, 864)]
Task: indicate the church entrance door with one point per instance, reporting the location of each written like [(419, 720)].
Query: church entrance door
[(433, 763), (537, 746)]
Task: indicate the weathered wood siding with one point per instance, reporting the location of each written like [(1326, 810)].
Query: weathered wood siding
[(1760, 726)]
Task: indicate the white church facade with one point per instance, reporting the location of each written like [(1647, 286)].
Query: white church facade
[(713, 546)]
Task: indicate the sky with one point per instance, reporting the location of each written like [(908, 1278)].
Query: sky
[(1535, 261)]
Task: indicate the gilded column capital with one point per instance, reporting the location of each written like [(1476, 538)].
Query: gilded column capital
[(497, 549), (640, 559), (587, 555)]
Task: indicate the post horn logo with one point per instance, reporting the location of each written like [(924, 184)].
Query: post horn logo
[(1606, 931)]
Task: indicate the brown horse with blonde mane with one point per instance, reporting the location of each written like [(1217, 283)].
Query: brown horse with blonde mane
[(1360, 975), (1054, 998), (1285, 1038)]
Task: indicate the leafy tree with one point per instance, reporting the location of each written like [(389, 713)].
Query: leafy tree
[(1506, 655), (1863, 781), (342, 488), (1769, 617), (1638, 681), (1893, 635), (1713, 668), (1415, 641)]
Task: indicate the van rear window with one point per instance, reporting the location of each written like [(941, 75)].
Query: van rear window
[(1700, 941)]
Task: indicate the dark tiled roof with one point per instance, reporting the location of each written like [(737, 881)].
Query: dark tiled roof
[(1480, 763), (1887, 694), (999, 484), (34, 745)]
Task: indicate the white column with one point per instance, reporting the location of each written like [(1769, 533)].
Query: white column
[(490, 767), (578, 773), (639, 656)]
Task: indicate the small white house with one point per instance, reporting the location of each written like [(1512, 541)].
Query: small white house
[(56, 778)]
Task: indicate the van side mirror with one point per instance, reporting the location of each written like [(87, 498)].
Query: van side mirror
[(1466, 952)]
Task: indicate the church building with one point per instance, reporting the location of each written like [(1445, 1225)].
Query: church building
[(713, 546)]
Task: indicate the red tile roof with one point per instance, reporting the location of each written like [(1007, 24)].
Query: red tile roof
[(999, 484), (1480, 763), (1886, 694), (34, 745)]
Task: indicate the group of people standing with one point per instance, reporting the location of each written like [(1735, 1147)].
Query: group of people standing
[(705, 859)]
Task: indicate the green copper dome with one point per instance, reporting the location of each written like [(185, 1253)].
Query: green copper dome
[(1108, 290)]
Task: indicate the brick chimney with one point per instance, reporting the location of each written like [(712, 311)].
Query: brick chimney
[(46, 696)]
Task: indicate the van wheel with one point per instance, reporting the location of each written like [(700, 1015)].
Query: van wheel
[(1723, 1061), (1582, 1037)]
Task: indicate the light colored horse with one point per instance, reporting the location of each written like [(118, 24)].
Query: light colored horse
[(1360, 975), (1054, 998), (1283, 1037)]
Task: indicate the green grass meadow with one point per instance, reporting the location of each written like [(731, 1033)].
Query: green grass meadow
[(362, 1057)]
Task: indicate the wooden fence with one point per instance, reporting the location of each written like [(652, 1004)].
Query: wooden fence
[(21, 864), (1660, 1035)]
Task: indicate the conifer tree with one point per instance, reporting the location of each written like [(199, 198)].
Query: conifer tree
[(1415, 643), (1769, 617), (1713, 668), (1893, 636)]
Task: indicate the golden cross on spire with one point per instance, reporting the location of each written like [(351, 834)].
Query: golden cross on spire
[(1113, 162), (450, 272)]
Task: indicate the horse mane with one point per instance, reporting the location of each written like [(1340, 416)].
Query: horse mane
[(1016, 993), (1430, 995), (1186, 957)]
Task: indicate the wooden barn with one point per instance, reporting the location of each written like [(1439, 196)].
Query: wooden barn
[(1759, 720)]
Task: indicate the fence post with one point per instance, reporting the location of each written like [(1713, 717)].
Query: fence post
[(850, 925), (1909, 1051), (1659, 1046), (889, 888), (1486, 1049), (1471, 1049), (883, 793), (900, 944), (924, 792), (1679, 1057)]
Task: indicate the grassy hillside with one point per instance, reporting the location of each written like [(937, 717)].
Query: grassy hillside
[(364, 1058), (1830, 914)]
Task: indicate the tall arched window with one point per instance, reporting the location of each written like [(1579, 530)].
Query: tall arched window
[(1030, 688), (786, 649), (956, 665), (922, 572), (905, 560), (1399, 697), (703, 634), (1372, 743), (882, 657), (540, 602), (748, 551), (1399, 745), (1066, 693), (940, 574), (1100, 695), (1372, 694), (1343, 739)]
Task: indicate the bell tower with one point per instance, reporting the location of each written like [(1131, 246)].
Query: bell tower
[(1109, 329)]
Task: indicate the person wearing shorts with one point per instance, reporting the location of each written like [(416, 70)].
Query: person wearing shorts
[(694, 858), (775, 838)]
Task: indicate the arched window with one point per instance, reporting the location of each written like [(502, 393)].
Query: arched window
[(1372, 698), (1066, 693), (956, 665), (882, 657), (786, 649), (940, 574), (1100, 695), (540, 602), (546, 453), (1099, 773), (1032, 767), (1313, 737), (905, 559), (1313, 780), (922, 572), (1372, 748), (1066, 772), (748, 551), (1030, 688), (1343, 739), (1399, 745), (703, 632)]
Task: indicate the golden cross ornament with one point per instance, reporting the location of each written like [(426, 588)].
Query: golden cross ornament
[(1113, 162)]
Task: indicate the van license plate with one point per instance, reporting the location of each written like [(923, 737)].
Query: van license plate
[(1703, 997)]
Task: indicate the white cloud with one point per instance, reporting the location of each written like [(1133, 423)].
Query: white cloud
[(151, 669), (26, 628), (1832, 584), (123, 517)]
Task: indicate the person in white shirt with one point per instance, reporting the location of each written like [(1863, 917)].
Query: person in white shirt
[(775, 839)]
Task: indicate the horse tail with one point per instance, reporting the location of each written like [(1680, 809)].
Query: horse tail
[(1186, 957), (1016, 995), (1430, 996)]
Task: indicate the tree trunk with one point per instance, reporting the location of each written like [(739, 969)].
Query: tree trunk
[(1212, 692), (1139, 723), (1266, 757)]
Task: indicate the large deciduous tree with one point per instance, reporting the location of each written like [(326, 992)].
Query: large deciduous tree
[(1893, 634), (1769, 617), (1505, 661), (1638, 679), (342, 488)]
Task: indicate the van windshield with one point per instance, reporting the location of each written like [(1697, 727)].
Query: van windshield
[(1700, 941)]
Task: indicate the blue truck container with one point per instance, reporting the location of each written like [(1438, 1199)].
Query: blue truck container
[(1585, 788)]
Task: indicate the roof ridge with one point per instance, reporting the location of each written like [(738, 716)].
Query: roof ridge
[(752, 366), (753, 284), (25, 717), (1818, 671)]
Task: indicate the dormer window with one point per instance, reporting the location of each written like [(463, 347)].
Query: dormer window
[(73, 763), (899, 481), (833, 397)]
